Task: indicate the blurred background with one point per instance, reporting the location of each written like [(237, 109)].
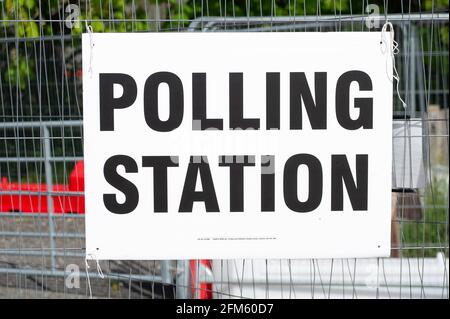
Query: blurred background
[(41, 153)]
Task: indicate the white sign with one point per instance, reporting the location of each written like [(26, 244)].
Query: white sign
[(408, 171), (237, 145)]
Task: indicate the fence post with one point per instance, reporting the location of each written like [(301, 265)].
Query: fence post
[(183, 279), (49, 181), (165, 272)]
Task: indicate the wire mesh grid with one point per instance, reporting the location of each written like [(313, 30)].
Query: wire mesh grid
[(41, 192)]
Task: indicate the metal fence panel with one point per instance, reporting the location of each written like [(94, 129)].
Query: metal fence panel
[(41, 113)]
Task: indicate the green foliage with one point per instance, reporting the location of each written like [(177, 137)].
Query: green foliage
[(266, 8), (433, 228), (19, 70), (24, 10), (192, 9), (435, 5)]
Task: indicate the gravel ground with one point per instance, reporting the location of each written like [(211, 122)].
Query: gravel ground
[(14, 284)]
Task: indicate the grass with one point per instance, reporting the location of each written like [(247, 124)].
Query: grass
[(432, 229)]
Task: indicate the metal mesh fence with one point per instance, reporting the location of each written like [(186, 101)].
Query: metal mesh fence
[(41, 191)]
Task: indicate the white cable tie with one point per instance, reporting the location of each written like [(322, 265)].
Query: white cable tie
[(392, 47), (91, 45)]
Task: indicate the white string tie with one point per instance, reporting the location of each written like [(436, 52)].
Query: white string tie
[(99, 272), (392, 47), (91, 45)]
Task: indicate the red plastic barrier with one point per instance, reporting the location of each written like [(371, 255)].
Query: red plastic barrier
[(37, 203), (204, 290)]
